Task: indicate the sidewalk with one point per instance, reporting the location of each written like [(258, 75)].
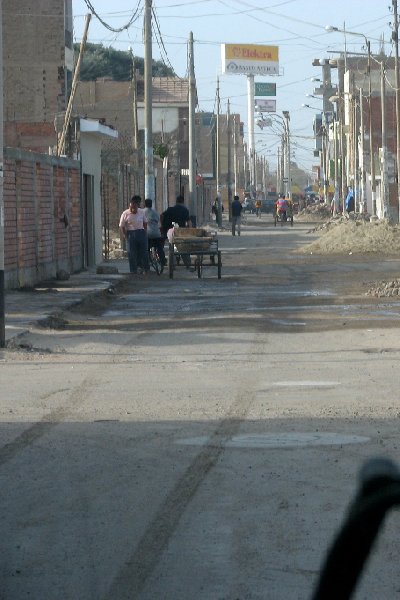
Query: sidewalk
[(24, 308)]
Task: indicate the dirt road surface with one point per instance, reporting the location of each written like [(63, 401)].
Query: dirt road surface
[(200, 438)]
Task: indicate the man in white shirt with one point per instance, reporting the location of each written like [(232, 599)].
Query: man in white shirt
[(133, 226)]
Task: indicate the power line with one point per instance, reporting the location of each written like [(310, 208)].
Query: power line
[(160, 42), (133, 18)]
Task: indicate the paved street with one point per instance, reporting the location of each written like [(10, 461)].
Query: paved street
[(200, 438)]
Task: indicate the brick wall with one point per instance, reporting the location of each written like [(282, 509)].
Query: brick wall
[(42, 217), (34, 70)]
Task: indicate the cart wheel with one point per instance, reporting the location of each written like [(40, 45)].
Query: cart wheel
[(199, 265), (171, 261), (219, 265)]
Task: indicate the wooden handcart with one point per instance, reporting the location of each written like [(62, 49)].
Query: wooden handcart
[(197, 246)]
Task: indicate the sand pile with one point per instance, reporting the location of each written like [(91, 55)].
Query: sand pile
[(314, 212), (348, 236)]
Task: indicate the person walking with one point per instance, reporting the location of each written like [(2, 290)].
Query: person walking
[(153, 230), (258, 208), (350, 204), (133, 226), (236, 208)]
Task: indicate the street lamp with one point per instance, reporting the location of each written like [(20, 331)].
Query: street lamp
[(330, 28), (309, 106)]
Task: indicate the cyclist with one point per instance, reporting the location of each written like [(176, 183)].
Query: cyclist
[(153, 230), (281, 206)]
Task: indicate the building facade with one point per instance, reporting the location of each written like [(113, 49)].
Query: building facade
[(38, 66)]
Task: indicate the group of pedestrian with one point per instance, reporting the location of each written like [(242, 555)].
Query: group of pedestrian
[(143, 228)]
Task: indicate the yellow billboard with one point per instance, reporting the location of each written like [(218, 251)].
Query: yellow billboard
[(250, 59)]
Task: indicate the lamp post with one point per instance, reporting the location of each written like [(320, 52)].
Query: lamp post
[(330, 28)]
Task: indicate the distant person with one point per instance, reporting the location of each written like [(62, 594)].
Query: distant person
[(335, 204), (258, 208), (281, 206), (349, 202), (153, 230), (133, 226), (236, 208)]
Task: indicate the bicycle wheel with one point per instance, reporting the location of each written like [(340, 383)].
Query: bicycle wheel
[(155, 260), (199, 266), (171, 259)]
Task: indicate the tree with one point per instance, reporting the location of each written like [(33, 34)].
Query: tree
[(100, 61)]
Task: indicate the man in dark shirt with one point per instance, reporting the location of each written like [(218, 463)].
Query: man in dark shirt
[(236, 207), (178, 214), (175, 214)]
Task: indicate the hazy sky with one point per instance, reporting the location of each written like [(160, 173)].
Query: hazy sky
[(297, 27)]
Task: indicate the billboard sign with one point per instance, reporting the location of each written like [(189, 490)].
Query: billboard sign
[(264, 89), (265, 105), (250, 59)]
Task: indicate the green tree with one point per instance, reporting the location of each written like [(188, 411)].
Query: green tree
[(100, 61)]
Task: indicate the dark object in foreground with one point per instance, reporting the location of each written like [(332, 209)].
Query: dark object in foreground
[(378, 492)]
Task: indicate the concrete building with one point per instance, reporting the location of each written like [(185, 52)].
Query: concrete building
[(343, 137)]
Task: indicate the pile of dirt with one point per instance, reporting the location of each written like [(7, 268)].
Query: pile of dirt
[(314, 212), (355, 236), (384, 289)]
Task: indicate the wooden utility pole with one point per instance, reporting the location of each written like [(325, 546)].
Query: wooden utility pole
[(235, 158), (75, 81), (229, 171), (371, 143), (395, 37), (149, 183), (192, 140), (384, 172), (2, 286), (218, 165)]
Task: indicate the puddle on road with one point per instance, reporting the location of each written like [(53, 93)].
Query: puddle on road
[(279, 440)]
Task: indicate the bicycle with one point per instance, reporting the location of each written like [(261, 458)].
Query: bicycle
[(154, 260)]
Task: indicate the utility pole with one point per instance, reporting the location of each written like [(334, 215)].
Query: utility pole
[(395, 38), (229, 171), (371, 145), (134, 104), (192, 139), (75, 81), (250, 125), (235, 159), (278, 172), (2, 301), (149, 184), (218, 165), (384, 173), (287, 170), (363, 203)]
